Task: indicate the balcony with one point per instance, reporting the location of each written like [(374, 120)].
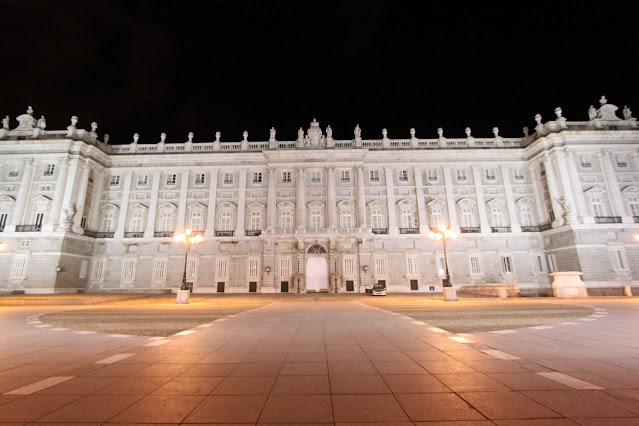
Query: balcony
[(636, 218), (89, 233), (133, 234), (607, 219), (530, 228), (163, 234), (500, 229), (408, 231), (104, 234), (253, 232), (380, 231), (224, 233), (470, 230), (28, 228)]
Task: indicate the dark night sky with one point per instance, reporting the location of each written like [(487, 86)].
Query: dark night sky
[(203, 66)]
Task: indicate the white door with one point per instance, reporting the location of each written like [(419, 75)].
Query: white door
[(316, 273)]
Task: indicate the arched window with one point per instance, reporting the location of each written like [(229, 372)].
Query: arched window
[(316, 249)]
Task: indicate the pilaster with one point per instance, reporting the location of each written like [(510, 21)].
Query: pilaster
[(210, 218), (450, 199), (301, 199), (271, 202), (612, 184), (510, 200), (184, 192), (153, 204), (553, 192), (481, 203), (421, 204), (330, 197), (94, 212), (241, 205), (124, 205), (577, 190), (81, 200), (390, 199), (361, 198), (56, 205), (23, 195)]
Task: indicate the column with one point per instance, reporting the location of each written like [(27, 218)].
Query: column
[(241, 205), (612, 184), (153, 205), (450, 199), (23, 195), (564, 179), (510, 200), (124, 205), (301, 199), (577, 190), (481, 203), (330, 197), (81, 200), (421, 204), (210, 218), (94, 213), (553, 192), (184, 192), (56, 204), (271, 202), (361, 198), (539, 194), (390, 199), (69, 190)]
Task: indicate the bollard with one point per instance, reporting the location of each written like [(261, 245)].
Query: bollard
[(627, 290)]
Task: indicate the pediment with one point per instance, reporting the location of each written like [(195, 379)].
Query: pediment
[(226, 205), (285, 205), (7, 199), (167, 206), (375, 203), (109, 207), (435, 202), (594, 191), (495, 201), (345, 203), (197, 206), (41, 199), (405, 202), (630, 190), (139, 206), (525, 200), (256, 206), (315, 205), (466, 201)]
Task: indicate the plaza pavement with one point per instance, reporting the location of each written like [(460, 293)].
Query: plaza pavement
[(324, 360)]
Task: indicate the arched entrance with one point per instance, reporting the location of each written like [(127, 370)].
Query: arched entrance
[(316, 269)]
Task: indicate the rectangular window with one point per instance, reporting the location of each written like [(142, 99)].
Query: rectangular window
[(83, 223), (540, 264), (618, 258), (98, 270), (128, 269), (498, 216), (407, 218), (506, 264), (196, 221), (552, 263), (136, 222), (257, 177), (87, 247), (621, 160), (461, 175), (598, 209), (171, 179), (285, 267), (286, 177), (490, 174), (316, 219), (526, 216), (349, 267), (633, 203), (228, 178), (115, 180), (191, 269), (3, 220), (373, 175), (159, 270), (468, 217), (108, 221), (518, 174), (19, 267), (347, 218), (584, 159), (166, 222), (225, 221), (380, 266), (83, 269), (286, 219), (431, 175), (49, 169), (402, 175), (436, 217), (200, 178), (253, 268), (315, 177), (411, 265), (15, 170), (345, 176), (143, 180), (39, 217), (45, 188), (255, 222), (222, 268), (25, 243), (377, 218), (475, 264)]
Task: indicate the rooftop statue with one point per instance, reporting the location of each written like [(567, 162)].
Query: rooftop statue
[(358, 132), (5, 122), (272, 134), (300, 134), (329, 132), (26, 121), (314, 137), (42, 123), (592, 113), (627, 113)]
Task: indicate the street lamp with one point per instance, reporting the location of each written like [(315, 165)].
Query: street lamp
[(187, 239), (636, 238), (2, 246), (443, 235)]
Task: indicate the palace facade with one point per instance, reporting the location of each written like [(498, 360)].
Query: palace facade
[(317, 213)]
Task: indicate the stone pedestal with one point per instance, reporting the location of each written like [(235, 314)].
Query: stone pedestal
[(450, 294), (568, 285), (183, 297), (627, 291), (503, 293)]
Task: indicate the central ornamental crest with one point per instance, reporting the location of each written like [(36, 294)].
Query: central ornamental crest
[(314, 138), (316, 249)]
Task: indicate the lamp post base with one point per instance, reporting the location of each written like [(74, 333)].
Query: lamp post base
[(450, 294), (183, 297)]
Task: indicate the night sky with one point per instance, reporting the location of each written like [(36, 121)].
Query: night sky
[(207, 66)]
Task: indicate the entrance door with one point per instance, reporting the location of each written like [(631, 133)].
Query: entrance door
[(252, 287), (220, 287), (284, 286), (316, 273)]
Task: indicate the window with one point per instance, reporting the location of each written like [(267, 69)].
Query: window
[(166, 221), (200, 178), (598, 209), (618, 259), (25, 243), (225, 221), (621, 160), (316, 219), (345, 176), (83, 269), (143, 180), (3, 220), (128, 269), (552, 263), (347, 218), (506, 264), (431, 175), (228, 178), (633, 203), (286, 177), (257, 177), (475, 264), (98, 270), (461, 175), (436, 217), (380, 266), (402, 175), (253, 268), (222, 268), (540, 264), (518, 174), (196, 221), (255, 223), (159, 270), (349, 267), (373, 175), (38, 219), (407, 218), (83, 223), (45, 188), (526, 216), (87, 247), (136, 222), (108, 221), (377, 218), (115, 180), (171, 179), (315, 177), (498, 216), (15, 170), (468, 217), (48, 169), (411, 265), (191, 268), (285, 267), (286, 219), (490, 174), (584, 159)]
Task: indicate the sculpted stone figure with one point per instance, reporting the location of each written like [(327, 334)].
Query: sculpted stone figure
[(272, 137), (329, 132), (42, 123), (627, 113), (5, 122), (358, 132), (69, 213), (592, 113), (300, 134)]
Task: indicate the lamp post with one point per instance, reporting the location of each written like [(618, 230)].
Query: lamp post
[(2, 246), (443, 234), (636, 237), (187, 239)]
